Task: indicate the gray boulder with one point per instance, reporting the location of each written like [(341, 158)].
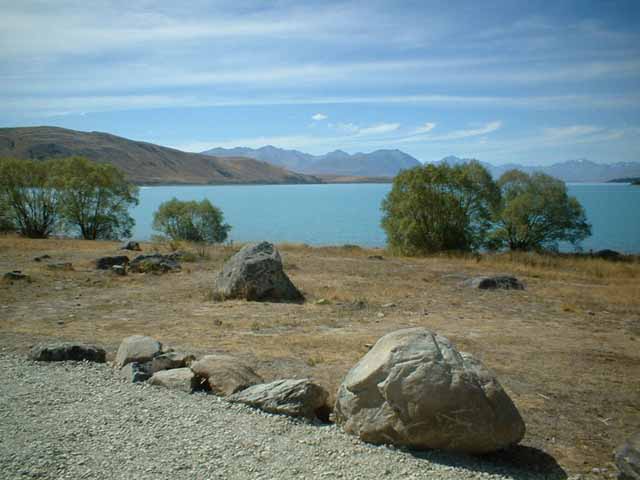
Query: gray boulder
[(60, 352), (256, 273), (627, 458), (137, 348), (182, 379), (225, 374), (155, 263), (131, 245), (414, 389), (296, 398), (503, 282), (107, 263), (171, 360), (135, 372), (16, 275)]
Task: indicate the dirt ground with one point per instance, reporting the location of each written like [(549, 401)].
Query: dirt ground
[(567, 349)]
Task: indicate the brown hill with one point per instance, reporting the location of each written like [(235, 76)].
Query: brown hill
[(144, 163)]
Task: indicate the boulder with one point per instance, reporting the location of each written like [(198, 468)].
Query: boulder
[(119, 270), (503, 282), (171, 360), (137, 348), (107, 263), (135, 372), (60, 352), (131, 245), (225, 374), (42, 257), (182, 379), (296, 398), (627, 458), (155, 263), (256, 273), (414, 389)]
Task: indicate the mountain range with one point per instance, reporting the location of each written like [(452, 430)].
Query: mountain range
[(381, 163), (142, 162), (387, 163)]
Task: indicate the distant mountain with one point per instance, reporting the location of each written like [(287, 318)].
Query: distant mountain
[(143, 163), (381, 163), (578, 171)]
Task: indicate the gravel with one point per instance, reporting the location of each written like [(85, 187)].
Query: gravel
[(81, 420)]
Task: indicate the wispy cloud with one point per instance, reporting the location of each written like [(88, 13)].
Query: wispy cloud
[(426, 128), (319, 117)]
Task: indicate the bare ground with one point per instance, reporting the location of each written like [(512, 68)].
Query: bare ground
[(567, 349)]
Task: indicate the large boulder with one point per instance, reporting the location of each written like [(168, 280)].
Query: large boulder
[(627, 458), (225, 374), (498, 282), (60, 352), (256, 273), (296, 398), (181, 379), (414, 389), (137, 348)]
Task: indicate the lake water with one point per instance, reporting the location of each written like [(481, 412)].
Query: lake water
[(350, 214)]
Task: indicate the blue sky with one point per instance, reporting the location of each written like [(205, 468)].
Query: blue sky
[(533, 82)]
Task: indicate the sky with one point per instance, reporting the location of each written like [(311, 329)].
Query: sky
[(532, 82)]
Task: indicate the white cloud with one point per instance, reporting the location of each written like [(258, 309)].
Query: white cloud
[(319, 117), (426, 128), (454, 134)]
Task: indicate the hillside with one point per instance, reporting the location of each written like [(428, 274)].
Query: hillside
[(380, 163), (144, 163)]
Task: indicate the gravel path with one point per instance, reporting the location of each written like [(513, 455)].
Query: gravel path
[(80, 421)]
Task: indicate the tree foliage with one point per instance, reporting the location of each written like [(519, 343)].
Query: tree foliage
[(95, 199), (439, 207), (537, 213), (30, 196), (192, 221)]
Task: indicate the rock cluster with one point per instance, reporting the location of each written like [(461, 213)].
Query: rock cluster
[(106, 263), (60, 352), (256, 273), (503, 282), (155, 263)]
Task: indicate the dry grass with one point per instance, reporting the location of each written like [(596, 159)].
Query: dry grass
[(566, 349)]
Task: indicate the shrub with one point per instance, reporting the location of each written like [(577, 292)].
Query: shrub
[(191, 221)]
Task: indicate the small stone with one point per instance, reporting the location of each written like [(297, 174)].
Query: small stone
[(16, 275), (107, 263), (64, 266)]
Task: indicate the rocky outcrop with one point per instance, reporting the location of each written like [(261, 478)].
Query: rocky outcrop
[(60, 352), (414, 389), (137, 348), (182, 379), (256, 273), (502, 282), (627, 458), (225, 374), (155, 263), (296, 398), (106, 263)]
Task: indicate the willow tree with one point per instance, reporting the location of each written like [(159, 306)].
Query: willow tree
[(537, 213), (439, 207), (193, 221)]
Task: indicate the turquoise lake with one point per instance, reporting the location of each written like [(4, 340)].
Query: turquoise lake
[(350, 214)]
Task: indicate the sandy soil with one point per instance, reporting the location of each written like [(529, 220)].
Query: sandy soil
[(567, 349)]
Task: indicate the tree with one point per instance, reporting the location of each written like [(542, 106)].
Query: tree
[(95, 198), (439, 207), (192, 221), (6, 217), (537, 213), (29, 196)]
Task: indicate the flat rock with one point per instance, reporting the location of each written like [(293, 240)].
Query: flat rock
[(106, 263), (137, 348), (296, 398), (131, 245), (627, 458), (155, 263), (16, 275), (171, 360), (256, 273), (135, 372), (225, 374), (182, 379), (502, 282), (414, 389), (60, 352)]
